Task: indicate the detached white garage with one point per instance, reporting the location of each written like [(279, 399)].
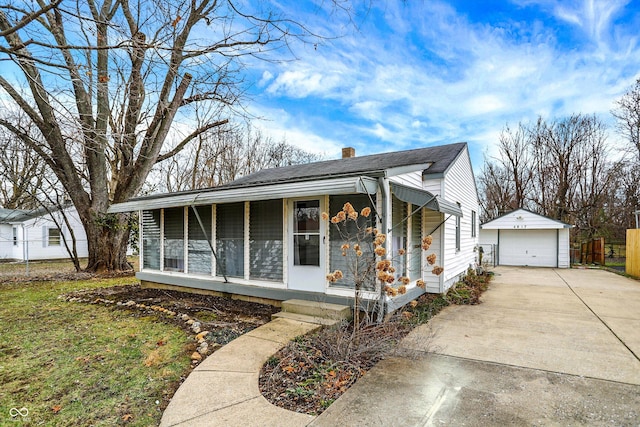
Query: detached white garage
[(525, 238)]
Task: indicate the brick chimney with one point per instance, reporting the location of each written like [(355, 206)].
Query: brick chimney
[(348, 152)]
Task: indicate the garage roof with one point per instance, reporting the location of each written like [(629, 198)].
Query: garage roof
[(524, 219)]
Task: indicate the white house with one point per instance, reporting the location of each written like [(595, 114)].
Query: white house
[(39, 234), (261, 235), (524, 238)]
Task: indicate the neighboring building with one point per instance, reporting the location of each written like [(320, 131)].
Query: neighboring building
[(269, 240), (524, 238), (34, 235)]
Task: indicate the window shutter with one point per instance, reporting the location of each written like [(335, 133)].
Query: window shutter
[(45, 236)]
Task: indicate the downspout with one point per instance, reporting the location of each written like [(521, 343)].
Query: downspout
[(206, 236)]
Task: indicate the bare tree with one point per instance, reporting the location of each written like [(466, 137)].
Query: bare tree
[(222, 156), (109, 82), (559, 168), (21, 171), (627, 113), (515, 158), (496, 191), (29, 14)]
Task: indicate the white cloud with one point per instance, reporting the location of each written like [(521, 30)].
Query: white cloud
[(460, 80), (267, 76)]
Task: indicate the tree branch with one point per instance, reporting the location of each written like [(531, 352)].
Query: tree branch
[(190, 138)]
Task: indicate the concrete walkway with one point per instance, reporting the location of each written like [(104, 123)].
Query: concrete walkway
[(223, 389), (546, 347), (579, 322)]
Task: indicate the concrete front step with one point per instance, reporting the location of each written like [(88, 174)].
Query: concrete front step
[(317, 309), (305, 318)]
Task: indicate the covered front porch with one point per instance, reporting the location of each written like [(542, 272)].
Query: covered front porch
[(269, 242)]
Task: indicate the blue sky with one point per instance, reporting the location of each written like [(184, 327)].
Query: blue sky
[(420, 73)]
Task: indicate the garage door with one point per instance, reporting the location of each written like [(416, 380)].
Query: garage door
[(536, 248)]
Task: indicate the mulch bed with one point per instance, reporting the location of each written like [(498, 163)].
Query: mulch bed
[(313, 371), (224, 318)]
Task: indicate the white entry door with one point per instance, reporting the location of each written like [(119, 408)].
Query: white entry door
[(306, 245)]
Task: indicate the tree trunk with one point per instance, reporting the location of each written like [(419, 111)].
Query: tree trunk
[(107, 243)]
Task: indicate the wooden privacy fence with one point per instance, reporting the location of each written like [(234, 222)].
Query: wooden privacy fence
[(592, 252), (633, 252)]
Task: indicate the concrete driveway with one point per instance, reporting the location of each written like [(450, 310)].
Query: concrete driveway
[(545, 347)]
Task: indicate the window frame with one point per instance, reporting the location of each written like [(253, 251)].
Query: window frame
[(474, 226), (51, 240)]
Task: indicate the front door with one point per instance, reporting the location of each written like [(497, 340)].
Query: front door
[(306, 245)]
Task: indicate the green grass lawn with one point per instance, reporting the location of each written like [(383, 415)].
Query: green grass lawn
[(74, 364), (44, 267)]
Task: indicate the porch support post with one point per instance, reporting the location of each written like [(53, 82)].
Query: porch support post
[(385, 225)]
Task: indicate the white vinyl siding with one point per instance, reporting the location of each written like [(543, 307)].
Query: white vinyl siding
[(265, 240), (459, 187), (411, 179)]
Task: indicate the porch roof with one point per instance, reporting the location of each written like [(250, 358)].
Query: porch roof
[(424, 199), (345, 185)]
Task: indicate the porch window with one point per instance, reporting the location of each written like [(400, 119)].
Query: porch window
[(415, 253), (151, 239), (230, 239), (199, 251), (174, 239), (15, 236), (336, 240), (266, 240)]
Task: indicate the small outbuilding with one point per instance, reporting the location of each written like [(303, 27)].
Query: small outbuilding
[(40, 234), (525, 238)]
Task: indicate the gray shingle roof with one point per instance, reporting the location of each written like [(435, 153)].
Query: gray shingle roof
[(14, 215), (19, 215), (440, 156)]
